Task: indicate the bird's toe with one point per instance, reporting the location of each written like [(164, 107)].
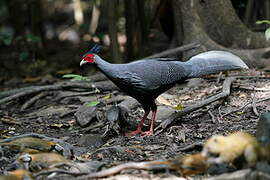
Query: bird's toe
[(147, 133)]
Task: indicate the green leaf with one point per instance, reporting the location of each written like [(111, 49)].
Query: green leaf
[(74, 77), (6, 37), (263, 22), (24, 55), (109, 96), (92, 103), (33, 38), (267, 34)]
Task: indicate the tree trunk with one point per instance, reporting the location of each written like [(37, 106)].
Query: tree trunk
[(94, 19), (224, 26), (193, 29), (17, 15), (78, 12), (142, 20), (112, 21), (133, 45)]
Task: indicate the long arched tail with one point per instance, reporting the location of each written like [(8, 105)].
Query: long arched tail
[(214, 62)]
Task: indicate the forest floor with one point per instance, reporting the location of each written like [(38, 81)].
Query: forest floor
[(54, 116)]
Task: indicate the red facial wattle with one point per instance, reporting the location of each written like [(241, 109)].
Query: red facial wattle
[(89, 58)]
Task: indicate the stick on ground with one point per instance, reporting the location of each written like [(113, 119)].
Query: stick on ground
[(225, 92)]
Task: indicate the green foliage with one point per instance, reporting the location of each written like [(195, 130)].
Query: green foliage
[(267, 31), (92, 103), (33, 38), (24, 55), (75, 77), (263, 22), (6, 37)]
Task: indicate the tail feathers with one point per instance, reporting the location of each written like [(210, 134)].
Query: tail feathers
[(214, 62)]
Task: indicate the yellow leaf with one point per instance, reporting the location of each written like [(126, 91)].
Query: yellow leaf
[(179, 107)]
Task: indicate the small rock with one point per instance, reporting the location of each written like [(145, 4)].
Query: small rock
[(91, 140), (263, 129), (129, 103), (163, 112), (85, 115), (116, 118)]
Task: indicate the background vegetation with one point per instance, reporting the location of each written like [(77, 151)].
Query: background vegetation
[(41, 37)]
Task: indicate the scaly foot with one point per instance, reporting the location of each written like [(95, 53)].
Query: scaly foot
[(147, 133)]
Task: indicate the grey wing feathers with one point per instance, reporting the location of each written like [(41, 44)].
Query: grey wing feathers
[(132, 79), (152, 74)]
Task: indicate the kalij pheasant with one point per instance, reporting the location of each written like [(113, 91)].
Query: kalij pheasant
[(146, 79)]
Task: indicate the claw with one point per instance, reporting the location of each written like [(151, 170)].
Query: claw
[(147, 133)]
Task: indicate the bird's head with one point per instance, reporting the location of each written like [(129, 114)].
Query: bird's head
[(91, 55), (88, 58)]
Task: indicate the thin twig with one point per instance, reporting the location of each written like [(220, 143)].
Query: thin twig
[(234, 111), (254, 108), (212, 116), (245, 105), (191, 147)]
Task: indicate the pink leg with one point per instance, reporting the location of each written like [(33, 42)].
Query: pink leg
[(151, 130), (139, 127)]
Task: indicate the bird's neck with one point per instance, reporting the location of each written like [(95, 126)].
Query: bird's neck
[(104, 66)]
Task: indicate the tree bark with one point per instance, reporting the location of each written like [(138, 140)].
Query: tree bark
[(193, 29), (142, 20), (133, 38), (78, 12), (225, 27), (94, 19), (112, 21)]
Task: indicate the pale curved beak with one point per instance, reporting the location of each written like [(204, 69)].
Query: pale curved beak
[(83, 62)]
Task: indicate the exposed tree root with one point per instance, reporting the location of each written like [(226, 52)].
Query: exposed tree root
[(194, 31), (175, 50), (69, 85)]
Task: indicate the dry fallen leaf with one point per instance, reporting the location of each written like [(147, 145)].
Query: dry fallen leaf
[(164, 101), (32, 79), (10, 120)]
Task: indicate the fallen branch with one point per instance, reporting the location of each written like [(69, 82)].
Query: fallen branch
[(56, 170), (146, 165), (225, 92)]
